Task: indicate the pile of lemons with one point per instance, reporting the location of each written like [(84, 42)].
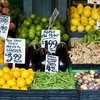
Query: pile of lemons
[(16, 78), (83, 18)]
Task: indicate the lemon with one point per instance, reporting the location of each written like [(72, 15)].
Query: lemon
[(80, 11), (75, 22), (80, 28), (95, 27), (87, 8), (79, 5), (73, 28), (87, 13), (95, 16), (92, 22), (87, 28), (84, 21), (76, 16)]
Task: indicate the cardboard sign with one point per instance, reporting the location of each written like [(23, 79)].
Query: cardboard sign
[(53, 18), (4, 26), (51, 65), (14, 50), (50, 39), (98, 25)]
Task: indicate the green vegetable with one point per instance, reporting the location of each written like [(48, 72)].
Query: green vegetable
[(60, 80)]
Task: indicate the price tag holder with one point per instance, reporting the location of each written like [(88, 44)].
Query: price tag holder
[(98, 25), (14, 50), (51, 65), (93, 1), (50, 39), (4, 26)]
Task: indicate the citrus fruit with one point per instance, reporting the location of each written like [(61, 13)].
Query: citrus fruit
[(92, 22), (73, 28), (20, 82), (31, 34), (65, 37), (33, 16), (87, 28), (80, 28), (28, 81), (24, 88), (95, 16), (2, 81), (44, 20), (31, 77), (84, 21), (23, 35), (31, 71), (87, 13), (38, 28), (24, 73), (15, 87), (1, 73), (75, 22), (6, 76), (5, 86), (11, 82), (6, 69), (1, 58), (16, 73)]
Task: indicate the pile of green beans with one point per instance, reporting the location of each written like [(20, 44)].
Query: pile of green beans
[(59, 80)]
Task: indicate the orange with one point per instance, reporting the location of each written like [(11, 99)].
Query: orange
[(31, 77), (24, 88), (15, 87), (1, 58), (6, 76), (20, 82), (16, 73), (2, 81), (28, 81), (11, 82), (6, 69), (5, 86), (1, 73), (24, 73)]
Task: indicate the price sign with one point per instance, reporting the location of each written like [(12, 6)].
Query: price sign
[(93, 1), (4, 26), (53, 18), (50, 39), (98, 25), (14, 50), (51, 65)]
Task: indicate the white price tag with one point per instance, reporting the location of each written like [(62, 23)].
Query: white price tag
[(4, 26), (14, 50), (51, 65), (93, 1), (53, 18), (98, 25), (50, 39)]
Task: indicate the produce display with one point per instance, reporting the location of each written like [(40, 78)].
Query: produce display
[(85, 54), (31, 28), (4, 10), (88, 80), (83, 17), (16, 78), (60, 80)]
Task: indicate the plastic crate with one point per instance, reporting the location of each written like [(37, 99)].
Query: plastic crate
[(90, 95), (39, 95)]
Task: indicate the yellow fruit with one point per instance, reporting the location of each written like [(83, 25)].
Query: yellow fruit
[(16, 73), (79, 5), (76, 16), (20, 82), (24, 88), (95, 16), (22, 69), (87, 28), (5, 86), (80, 28), (31, 77), (11, 82), (1, 73), (25, 74), (87, 13), (80, 11), (75, 22), (95, 27), (15, 87), (28, 81), (31, 71), (2, 81), (84, 21), (92, 22), (6, 76), (6, 69), (16, 68), (73, 28), (87, 8)]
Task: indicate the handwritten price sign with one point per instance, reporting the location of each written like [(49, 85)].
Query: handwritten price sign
[(50, 39), (14, 50)]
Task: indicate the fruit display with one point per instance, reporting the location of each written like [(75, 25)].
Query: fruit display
[(16, 78), (88, 80), (4, 10), (85, 54), (31, 28), (83, 17), (60, 80)]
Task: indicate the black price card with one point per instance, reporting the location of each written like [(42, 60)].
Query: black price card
[(50, 39), (4, 26), (14, 50), (51, 65)]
